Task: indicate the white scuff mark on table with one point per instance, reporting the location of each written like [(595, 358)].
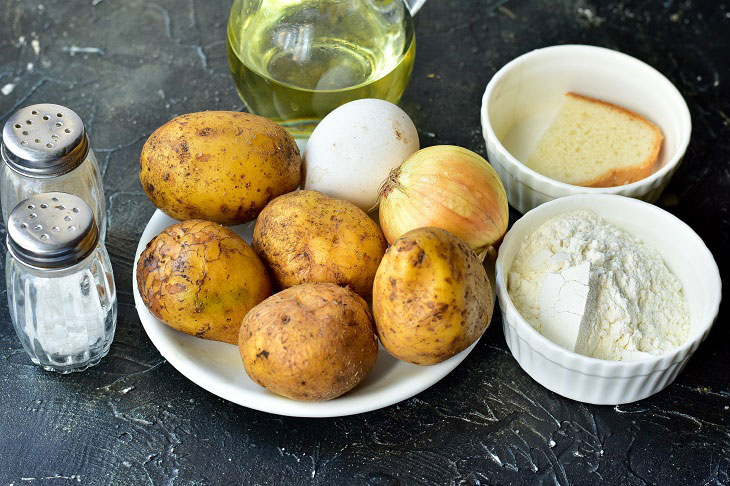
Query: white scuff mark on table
[(202, 56), (73, 50), (94, 3), (492, 454), (591, 17), (166, 17), (618, 409), (495, 458), (128, 418), (107, 388), (509, 13), (7, 89), (73, 477), (124, 391)]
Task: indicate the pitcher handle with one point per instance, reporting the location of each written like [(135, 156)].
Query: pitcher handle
[(414, 5)]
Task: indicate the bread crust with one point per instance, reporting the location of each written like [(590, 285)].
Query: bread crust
[(625, 175)]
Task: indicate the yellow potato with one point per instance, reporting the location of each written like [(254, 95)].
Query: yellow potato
[(222, 166), (310, 342), (306, 236), (431, 297), (201, 278)]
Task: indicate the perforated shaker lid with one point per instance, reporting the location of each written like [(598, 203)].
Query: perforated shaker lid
[(52, 230), (44, 140)]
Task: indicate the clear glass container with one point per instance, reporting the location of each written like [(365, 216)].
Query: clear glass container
[(61, 293), (294, 61), (45, 149), (84, 181), (65, 319)]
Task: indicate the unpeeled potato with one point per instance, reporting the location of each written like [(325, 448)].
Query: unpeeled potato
[(306, 236), (310, 342), (431, 297), (221, 166), (201, 278)]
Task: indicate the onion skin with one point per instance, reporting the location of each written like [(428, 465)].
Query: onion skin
[(446, 187)]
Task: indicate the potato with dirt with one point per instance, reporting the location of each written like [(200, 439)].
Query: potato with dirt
[(221, 166), (201, 278), (306, 236), (431, 297), (310, 342)]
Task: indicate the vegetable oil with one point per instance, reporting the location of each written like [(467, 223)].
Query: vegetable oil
[(294, 61)]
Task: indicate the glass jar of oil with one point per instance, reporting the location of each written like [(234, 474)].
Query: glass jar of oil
[(294, 61)]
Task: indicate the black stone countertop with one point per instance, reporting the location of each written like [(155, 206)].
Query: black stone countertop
[(128, 66)]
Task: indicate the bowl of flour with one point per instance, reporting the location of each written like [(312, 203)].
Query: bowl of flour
[(604, 298)]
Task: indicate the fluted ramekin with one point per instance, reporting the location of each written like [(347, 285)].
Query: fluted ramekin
[(600, 381), (529, 91)]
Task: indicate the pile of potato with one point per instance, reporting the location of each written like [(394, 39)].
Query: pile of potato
[(316, 338)]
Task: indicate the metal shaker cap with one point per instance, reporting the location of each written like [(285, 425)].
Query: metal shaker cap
[(44, 140), (52, 230)]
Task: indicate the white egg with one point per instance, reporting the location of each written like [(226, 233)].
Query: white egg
[(354, 148)]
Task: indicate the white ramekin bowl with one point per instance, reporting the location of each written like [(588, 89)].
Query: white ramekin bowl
[(525, 95), (613, 382)]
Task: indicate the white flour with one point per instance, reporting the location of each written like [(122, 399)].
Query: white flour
[(596, 290)]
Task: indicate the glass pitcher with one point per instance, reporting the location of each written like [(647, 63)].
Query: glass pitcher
[(294, 61)]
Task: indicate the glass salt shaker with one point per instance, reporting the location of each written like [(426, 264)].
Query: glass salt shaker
[(44, 149), (60, 283)]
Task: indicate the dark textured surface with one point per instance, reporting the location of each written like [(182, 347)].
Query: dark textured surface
[(135, 419)]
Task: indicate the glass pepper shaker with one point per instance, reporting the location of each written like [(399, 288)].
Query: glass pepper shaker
[(44, 149), (60, 283)]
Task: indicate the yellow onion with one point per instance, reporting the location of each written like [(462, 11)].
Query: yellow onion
[(447, 187)]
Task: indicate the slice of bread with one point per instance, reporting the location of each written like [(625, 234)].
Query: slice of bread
[(596, 144)]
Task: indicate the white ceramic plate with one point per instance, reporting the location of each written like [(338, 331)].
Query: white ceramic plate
[(217, 367)]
